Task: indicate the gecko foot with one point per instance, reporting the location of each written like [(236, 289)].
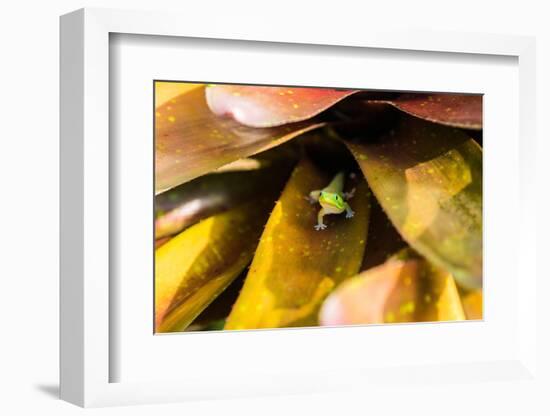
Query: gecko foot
[(310, 199), (320, 227), (350, 194), (350, 214)]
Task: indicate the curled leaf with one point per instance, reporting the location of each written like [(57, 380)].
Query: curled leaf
[(260, 106), (400, 290), (191, 141), (295, 267), (184, 205), (194, 267), (456, 110), (427, 178)]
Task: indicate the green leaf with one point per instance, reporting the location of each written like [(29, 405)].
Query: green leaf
[(428, 179), (194, 267), (295, 267), (259, 106), (404, 289), (191, 141), (456, 110)]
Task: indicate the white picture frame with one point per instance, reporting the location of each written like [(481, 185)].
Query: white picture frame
[(87, 170)]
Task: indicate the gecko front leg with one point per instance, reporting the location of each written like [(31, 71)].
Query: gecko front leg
[(320, 225), (349, 211), (350, 194)]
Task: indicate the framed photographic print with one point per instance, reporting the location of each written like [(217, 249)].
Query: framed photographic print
[(267, 197), (278, 214)]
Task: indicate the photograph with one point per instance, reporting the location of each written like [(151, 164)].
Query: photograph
[(304, 206)]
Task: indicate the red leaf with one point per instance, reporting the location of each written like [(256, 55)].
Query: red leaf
[(191, 141), (403, 289), (256, 106), (456, 110)]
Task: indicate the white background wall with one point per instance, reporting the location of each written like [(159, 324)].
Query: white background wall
[(29, 56)]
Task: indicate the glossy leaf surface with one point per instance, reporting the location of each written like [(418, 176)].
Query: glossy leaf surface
[(259, 106), (191, 141), (295, 267), (400, 290), (427, 178), (194, 267), (456, 110)]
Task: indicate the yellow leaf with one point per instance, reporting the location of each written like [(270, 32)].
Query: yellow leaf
[(166, 92), (473, 304), (194, 267), (295, 267), (427, 178)]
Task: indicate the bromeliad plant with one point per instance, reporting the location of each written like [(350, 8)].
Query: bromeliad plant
[(283, 207)]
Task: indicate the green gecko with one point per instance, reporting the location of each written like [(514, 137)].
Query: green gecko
[(332, 199)]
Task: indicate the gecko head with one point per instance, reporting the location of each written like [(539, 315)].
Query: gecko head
[(332, 201)]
